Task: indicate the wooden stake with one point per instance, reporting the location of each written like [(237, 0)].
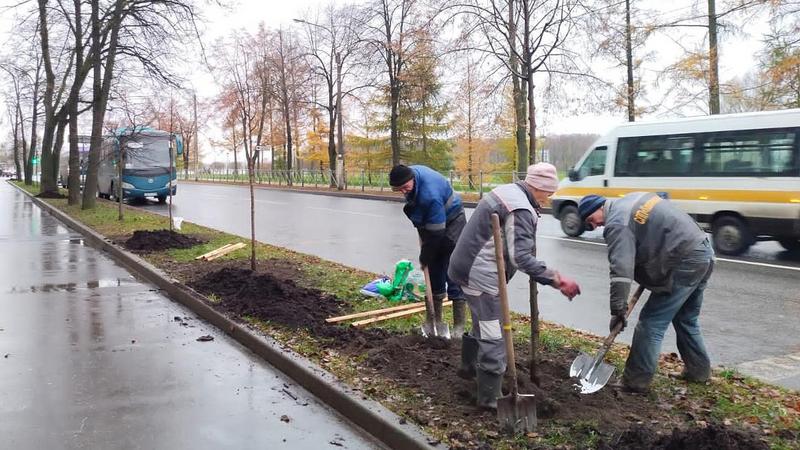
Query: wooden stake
[(394, 315), (230, 249), (213, 252), (375, 312)]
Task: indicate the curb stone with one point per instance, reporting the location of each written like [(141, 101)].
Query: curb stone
[(369, 415)]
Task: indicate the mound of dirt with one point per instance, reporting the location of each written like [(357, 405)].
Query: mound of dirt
[(50, 195), (713, 436), (268, 298), (155, 240)]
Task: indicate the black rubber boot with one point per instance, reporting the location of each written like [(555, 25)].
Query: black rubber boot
[(438, 299), (489, 389), (469, 357), (459, 317)]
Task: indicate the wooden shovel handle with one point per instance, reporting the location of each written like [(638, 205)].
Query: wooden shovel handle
[(428, 289), (503, 289), (617, 329)]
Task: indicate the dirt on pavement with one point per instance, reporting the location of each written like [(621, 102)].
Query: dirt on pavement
[(427, 368)]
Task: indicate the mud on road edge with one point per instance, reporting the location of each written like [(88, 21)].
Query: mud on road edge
[(368, 415)]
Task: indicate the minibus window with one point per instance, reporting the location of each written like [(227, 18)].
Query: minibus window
[(749, 153), (654, 156), (594, 164)]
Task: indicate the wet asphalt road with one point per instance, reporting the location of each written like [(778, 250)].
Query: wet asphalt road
[(92, 358), (750, 314)]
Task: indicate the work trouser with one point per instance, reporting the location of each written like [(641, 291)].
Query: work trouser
[(681, 307), (487, 330), (440, 282)]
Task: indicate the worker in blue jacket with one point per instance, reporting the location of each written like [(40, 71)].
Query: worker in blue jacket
[(436, 212)]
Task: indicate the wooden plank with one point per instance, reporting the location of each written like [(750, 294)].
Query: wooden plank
[(212, 252), (374, 312), (394, 315), (230, 249)]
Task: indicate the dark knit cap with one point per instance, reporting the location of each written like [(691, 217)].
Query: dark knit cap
[(399, 175), (590, 204)]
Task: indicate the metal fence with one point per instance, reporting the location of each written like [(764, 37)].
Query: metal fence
[(358, 180)]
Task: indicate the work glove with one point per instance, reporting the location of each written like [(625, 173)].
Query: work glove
[(431, 246), (569, 287), (617, 317)]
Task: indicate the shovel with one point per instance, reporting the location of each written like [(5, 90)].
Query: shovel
[(516, 412), (593, 373), (432, 327)]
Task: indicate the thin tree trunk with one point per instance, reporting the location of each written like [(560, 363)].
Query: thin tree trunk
[(629, 63), (713, 59), (15, 122), (518, 92), (394, 100)]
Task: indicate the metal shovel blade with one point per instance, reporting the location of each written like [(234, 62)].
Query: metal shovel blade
[(517, 413), (428, 329), (442, 330), (592, 373)]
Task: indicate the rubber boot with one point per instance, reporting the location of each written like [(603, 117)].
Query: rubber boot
[(442, 329), (489, 389), (469, 357), (459, 317)]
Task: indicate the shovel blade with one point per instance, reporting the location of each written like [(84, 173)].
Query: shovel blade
[(428, 329), (517, 413), (442, 330), (592, 374)]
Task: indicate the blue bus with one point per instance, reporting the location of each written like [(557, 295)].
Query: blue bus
[(145, 155)]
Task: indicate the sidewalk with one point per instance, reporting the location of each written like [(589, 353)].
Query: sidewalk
[(92, 358)]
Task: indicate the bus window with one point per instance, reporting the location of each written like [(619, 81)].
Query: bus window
[(749, 153), (594, 164), (654, 156)]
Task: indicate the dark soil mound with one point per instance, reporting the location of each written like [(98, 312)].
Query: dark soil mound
[(268, 298), (711, 437), (155, 240), (50, 195)]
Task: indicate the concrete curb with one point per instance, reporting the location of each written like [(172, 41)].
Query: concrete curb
[(369, 415), (358, 195)]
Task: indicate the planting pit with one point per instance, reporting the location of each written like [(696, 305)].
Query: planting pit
[(144, 241)]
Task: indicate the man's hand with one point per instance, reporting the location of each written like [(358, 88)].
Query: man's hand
[(616, 318), (427, 255), (568, 287)]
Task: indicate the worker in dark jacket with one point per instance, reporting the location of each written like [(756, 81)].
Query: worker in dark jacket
[(436, 212), (474, 266), (663, 249)]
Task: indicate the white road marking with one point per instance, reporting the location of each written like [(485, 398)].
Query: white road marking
[(737, 261), (772, 369), (345, 212)]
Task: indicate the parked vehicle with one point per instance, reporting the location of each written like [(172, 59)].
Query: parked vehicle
[(738, 175), (147, 168)]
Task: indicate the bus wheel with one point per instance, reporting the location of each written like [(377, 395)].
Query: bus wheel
[(571, 223), (792, 245), (162, 198), (731, 235)]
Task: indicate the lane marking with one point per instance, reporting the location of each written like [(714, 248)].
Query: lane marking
[(772, 369), (345, 212), (737, 261)]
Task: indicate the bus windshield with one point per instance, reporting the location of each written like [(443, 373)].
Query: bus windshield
[(153, 152)]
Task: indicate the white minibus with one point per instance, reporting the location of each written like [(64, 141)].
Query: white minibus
[(738, 175)]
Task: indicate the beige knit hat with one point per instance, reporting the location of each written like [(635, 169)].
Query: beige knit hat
[(543, 177)]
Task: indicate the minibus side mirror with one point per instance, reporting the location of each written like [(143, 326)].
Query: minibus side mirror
[(572, 174)]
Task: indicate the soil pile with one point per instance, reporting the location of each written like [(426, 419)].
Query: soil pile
[(713, 436), (268, 298), (156, 240), (50, 195)]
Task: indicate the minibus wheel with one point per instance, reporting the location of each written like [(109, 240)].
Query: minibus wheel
[(731, 235), (571, 223), (792, 245)]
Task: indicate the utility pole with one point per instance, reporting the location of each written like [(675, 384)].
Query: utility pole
[(340, 134)]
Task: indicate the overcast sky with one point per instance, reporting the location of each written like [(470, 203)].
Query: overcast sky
[(736, 53)]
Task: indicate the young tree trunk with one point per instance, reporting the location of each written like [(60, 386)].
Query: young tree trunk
[(331, 138), (629, 63), (713, 59), (531, 122), (14, 121), (34, 137), (518, 91)]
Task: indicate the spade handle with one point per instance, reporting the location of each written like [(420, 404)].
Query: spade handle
[(503, 290)]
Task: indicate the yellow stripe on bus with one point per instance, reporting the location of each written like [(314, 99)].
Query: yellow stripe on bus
[(718, 195)]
